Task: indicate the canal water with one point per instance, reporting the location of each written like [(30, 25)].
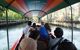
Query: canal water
[(15, 33)]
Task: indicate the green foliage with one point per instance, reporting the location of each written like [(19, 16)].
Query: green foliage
[(11, 15)]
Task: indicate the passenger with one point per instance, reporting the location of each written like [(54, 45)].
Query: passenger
[(33, 31), (59, 43), (58, 32), (34, 28), (41, 44), (30, 43), (27, 28), (43, 32), (66, 46), (50, 36), (47, 26), (25, 33)]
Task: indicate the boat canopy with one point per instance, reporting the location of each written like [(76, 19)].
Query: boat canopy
[(36, 7)]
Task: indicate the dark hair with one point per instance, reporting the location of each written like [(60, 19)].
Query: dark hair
[(34, 25), (29, 23), (47, 27), (66, 46), (58, 32)]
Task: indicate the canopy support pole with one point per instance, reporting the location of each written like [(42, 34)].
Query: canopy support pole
[(7, 23), (71, 23), (51, 18), (66, 11), (69, 3), (7, 28), (47, 18)]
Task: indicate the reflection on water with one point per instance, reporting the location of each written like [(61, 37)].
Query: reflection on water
[(16, 31), (14, 34)]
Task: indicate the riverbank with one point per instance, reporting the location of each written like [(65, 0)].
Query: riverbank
[(75, 28), (11, 23), (14, 23)]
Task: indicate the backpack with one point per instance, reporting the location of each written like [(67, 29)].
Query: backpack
[(66, 45), (59, 43)]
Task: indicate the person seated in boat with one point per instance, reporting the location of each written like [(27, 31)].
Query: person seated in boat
[(42, 43), (48, 28), (25, 33), (60, 43), (27, 28), (33, 30), (30, 43), (58, 32), (50, 36), (43, 31)]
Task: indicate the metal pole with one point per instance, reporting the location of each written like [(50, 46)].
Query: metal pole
[(71, 24), (47, 18), (66, 11), (69, 3), (51, 18), (7, 23), (7, 28)]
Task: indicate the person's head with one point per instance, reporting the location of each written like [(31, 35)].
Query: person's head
[(58, 32), (34, 25), (29, 23), (66, 46), (42, 23), (47, 27), (38, 27)]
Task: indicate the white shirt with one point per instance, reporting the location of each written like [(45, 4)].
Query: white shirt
[(26, 30)]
